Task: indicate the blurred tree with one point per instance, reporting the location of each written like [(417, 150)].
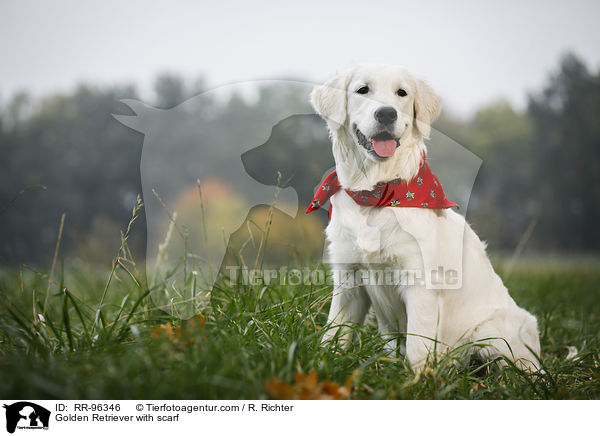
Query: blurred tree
[(88, 161), (18, 108), (567, 157), (500, 207), (503, 193), (170, 90)]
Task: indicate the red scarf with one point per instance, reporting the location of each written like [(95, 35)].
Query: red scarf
[(424, 190)]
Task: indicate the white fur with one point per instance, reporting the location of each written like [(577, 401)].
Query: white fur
[(409, 238)]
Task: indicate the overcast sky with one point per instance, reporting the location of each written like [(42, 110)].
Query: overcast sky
[(472, 52)]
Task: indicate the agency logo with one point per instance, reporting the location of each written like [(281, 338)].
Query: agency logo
[(26, 415)]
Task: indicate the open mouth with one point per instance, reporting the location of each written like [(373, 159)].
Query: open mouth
[(382, 145)]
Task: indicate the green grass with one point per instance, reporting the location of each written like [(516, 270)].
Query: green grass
[(252, 335), (95, 341)]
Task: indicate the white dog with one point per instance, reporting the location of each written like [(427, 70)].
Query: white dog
[(377, 116)]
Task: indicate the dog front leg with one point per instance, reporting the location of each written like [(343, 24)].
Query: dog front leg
[(423, 312), (349, 304)]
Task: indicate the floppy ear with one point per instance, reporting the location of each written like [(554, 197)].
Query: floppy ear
[(329, 100), (426, 108)]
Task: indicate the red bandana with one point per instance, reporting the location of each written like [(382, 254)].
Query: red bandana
[(424, 190)]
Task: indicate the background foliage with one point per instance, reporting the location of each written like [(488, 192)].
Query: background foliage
[(540, 166)]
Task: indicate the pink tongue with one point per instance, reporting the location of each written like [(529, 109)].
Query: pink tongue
[(384, 148)]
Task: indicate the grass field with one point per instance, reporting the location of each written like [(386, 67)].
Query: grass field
[(98, 335)]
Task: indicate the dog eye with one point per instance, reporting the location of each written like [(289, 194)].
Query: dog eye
[(362, 90), (401, 92)]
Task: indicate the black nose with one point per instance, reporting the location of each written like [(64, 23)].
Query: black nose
[(386, 115)]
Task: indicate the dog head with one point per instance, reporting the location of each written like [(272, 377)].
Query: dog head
[(381, 107)]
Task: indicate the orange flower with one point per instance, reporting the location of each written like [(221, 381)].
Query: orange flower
[(307, 387), (179, 334)]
